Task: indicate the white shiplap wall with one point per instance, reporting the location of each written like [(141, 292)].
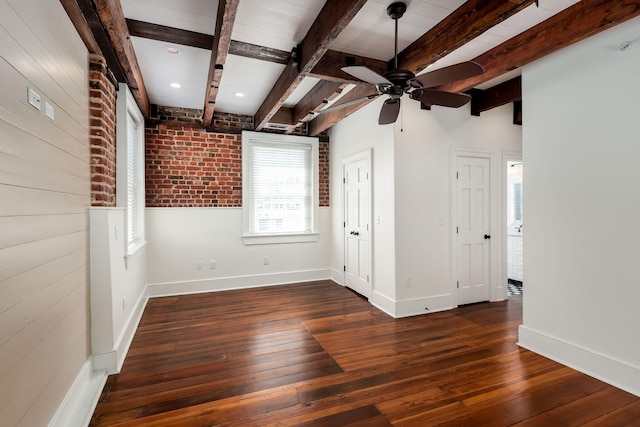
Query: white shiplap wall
[(44, 196)]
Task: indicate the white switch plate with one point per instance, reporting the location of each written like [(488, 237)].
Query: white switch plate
[(49, 111), (34, 98)]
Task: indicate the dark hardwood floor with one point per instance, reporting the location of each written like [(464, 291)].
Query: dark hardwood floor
[(316, 354)]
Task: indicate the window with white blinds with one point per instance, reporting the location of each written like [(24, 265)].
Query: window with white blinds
[(279, 185), (132, 183), (130, 168)]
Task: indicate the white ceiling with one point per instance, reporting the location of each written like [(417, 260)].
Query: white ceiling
[(282, 24)]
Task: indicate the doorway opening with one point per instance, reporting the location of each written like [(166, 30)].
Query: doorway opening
[(515, 227)]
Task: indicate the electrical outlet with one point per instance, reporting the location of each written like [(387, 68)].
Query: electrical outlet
[(34, 98), (266, 260), (198, 265), (409, 281), (212, 264)]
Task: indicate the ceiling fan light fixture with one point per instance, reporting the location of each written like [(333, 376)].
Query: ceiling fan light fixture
[(173, 50), (176, 85)]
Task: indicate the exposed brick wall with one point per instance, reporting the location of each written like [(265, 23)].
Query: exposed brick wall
[(186, 166), (102, 99), (232, 122), (189, 167), (184, 115)]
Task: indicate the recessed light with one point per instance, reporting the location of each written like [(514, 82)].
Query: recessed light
[(176, 85), (173, 50), (239, 94)]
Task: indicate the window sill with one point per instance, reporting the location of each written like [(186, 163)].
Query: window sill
[(134, 248), (272, 239)]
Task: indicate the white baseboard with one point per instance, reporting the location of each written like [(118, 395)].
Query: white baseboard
[(238, 282), (618, 374), (417, 306), (337, 276), (80, 401), (411, 307), (383, 303)]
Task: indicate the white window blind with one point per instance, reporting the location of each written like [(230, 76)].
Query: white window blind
[(132, 179), (279, 184), (130, 168)]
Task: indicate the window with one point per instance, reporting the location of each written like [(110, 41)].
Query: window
[(279, 188), (130, 168), (517, 201)]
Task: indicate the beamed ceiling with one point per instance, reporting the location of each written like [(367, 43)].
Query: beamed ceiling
[(286, 55)]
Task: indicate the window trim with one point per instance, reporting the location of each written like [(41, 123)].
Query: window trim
[(250, 238), (126, 108)]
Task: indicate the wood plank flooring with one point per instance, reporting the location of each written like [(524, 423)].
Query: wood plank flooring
[(316, 354)]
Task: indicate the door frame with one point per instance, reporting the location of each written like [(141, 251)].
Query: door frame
[(507, 156), (361, 155), (496, 288)]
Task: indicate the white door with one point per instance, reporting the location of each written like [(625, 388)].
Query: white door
[(472, 232), (356, 226)]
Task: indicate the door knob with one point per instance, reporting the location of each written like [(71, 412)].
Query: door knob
[(487, 237)]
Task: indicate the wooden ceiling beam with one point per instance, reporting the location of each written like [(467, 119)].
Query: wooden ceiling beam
[(503, 93), (322, 93), (204, 41), (284, 116), (83, 27), (578, 22), (167, 34), (225, 18), (324, 121), (464, 24), (332, 19), (112, 18)]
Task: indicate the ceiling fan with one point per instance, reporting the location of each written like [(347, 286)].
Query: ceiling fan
[(396, 83)]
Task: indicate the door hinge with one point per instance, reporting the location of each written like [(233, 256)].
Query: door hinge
[(457, 231), (457, 175), (344, 225), (344, 180), (344, 268), (367, 278), (457, 284)]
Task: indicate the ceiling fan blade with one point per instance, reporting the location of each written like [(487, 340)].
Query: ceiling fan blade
[(366, 75), (451, 73), (439, 97), (347, 104), (389, 112)]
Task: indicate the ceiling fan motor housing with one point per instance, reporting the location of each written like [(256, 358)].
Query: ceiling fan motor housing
[(396, 10)]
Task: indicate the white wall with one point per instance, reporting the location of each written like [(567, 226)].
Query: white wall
[(44, 192), (180, 237), (358, 133), (581, 151), (424, 178), (411, 193)]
